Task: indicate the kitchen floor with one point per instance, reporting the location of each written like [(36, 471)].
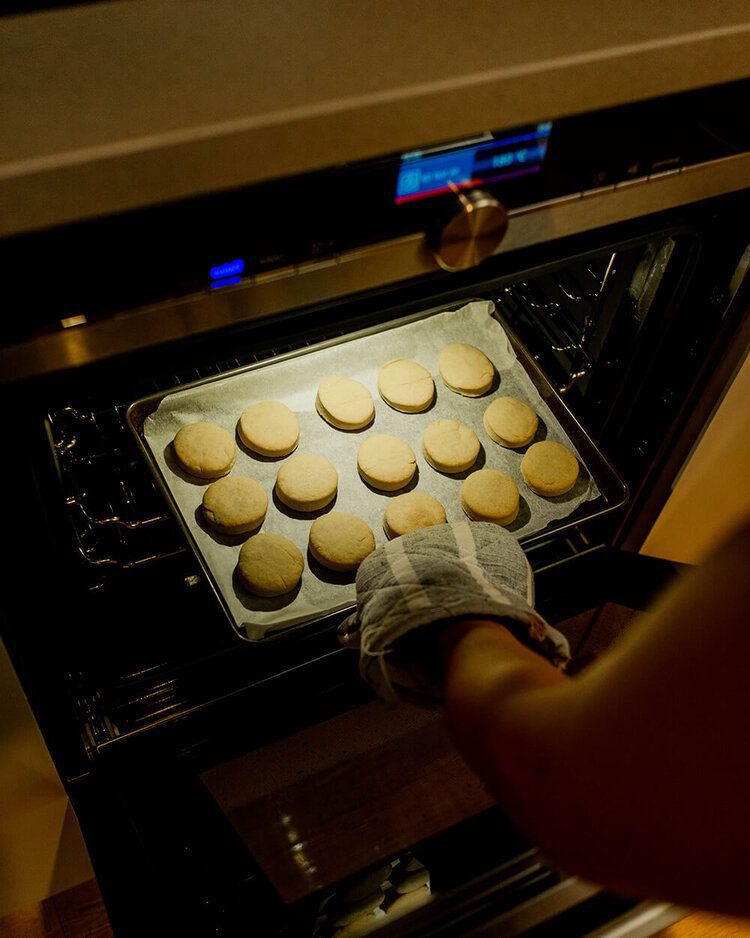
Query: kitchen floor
[(76, 913)]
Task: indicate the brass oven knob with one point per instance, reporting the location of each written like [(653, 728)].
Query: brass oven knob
[(473, 232)]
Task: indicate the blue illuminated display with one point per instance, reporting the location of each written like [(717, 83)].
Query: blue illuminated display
[(225, 282), (424, 173), (230, 269), (434, 173)]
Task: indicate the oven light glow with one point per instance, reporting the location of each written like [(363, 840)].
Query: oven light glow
[(71, 321), (224, 282), (230, 269)]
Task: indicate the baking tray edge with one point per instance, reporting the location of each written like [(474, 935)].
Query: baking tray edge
[(613, 489)]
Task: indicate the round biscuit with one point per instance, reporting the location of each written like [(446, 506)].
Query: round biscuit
[(510, 422), (270, 565), (549, 468), (490, 495), (450, 446), (306, 482), (205, 450), (466, 370), (269, 428), (344, 403), (340, 541), (386, 462), (406, 386), (411, 511), (234, 505)]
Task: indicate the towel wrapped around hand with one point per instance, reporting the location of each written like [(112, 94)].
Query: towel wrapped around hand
[(411, 587)]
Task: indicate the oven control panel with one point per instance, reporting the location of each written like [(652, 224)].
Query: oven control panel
[(455, 192), (474, 230), (492, 157)]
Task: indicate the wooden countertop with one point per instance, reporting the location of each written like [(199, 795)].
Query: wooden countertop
[(110, 106), (707, 925)]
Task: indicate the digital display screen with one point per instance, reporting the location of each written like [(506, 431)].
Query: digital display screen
[(490, 158), (227, 274), (228, 269)]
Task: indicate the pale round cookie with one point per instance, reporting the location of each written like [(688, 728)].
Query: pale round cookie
[(344, 403), (235, 505), (466, 370), (490, 495), (269, 428), (450, 446), (270, 565), (510, 422), (411, 511), (386, 462), (205, 450), (340, 541), (306, 483), (549, 468), (406, 386)]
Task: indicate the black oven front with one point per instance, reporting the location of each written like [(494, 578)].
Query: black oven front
[(623, 275)]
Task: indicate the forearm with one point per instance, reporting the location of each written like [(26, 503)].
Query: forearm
[(633, 774), (487, 673), (519, 723), (497, 693)]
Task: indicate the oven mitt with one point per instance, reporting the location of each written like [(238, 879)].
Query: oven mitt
[(408, 588)]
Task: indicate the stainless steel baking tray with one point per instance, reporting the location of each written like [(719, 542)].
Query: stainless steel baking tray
[(294, 378)]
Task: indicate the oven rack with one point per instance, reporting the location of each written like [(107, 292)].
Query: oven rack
[(564, 309), (118, 516), (125, 533)]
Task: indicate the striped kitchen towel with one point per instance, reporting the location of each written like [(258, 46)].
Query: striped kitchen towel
[(410, 587)]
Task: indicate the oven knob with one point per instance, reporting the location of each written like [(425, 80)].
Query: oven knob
[(472, 233)]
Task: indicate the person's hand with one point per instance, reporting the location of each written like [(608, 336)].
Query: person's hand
[(409, 588)]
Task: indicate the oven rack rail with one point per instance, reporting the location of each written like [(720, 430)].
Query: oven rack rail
[(565, 310), (121, 523), (118, 516)]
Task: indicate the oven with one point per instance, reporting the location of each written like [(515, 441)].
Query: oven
[(228, 787)]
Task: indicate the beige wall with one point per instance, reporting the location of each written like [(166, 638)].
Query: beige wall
[(41, 848), (712, 496)]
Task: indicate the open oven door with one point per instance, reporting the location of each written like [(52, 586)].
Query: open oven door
[(372, 818)]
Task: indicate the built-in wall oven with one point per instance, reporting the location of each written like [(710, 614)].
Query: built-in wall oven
[(232, 787)]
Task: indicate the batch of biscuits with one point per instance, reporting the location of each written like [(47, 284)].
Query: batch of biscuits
[(270, 564)]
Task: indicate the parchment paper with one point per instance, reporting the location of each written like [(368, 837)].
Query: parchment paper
[(295, 382)]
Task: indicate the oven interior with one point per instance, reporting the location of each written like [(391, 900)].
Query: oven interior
[(127, 545), (138, 681)]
